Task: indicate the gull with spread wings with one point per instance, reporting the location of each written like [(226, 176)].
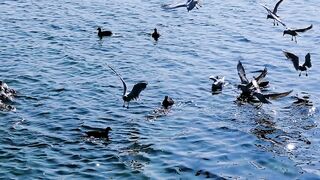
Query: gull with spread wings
[(135, 92), (294, 32), (295, 61), (190, 4), (273, 14)]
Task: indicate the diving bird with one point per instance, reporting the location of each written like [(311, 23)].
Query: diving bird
[(135, 92), (167, 101), (273, 14), (295, 61), (294, 32), (218, 83), (103, 33), (155, 35), (190, 4), (103, 133), (259, 79)]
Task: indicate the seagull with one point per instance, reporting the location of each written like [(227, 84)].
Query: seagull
[(273, 14), (103, 33), (245, 81), (103, 133), (155, 34), (218, 83), (294, 32), (190, 4), (167, 101), (295, 61), (135, 92)]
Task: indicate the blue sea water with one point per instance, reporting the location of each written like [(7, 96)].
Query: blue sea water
[(51, 55)]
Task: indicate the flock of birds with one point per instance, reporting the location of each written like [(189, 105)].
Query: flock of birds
[(251, 90)]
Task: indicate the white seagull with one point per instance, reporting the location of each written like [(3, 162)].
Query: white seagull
[(190, 4)]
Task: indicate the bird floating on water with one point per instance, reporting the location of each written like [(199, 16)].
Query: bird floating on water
[(295, 61), (155, 35), (103, 133), (167, 101), (273, 14), (218, 83), (294, 32), (135, 92), (190, 4), (103, 33)]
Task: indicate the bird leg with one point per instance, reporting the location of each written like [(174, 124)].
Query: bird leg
[(300, 73), (124, 104), (295, 39), (274, 22), (306, 72), (291, 38), (128, 106)]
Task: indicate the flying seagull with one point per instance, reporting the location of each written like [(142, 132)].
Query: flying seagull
[(273, 14), (294, 32), (103, 33), (155, 35), (295, 61), (135, 92), (190, 4)]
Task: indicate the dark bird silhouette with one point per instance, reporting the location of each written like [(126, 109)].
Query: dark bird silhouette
[(155, 35), (302, 101), (259, 79), (103, 133), (257, 92), (167, 101), (295, 61), (103, 33), (294, 32), (273, 14), (218, 83), (277, 95), (135, 92)]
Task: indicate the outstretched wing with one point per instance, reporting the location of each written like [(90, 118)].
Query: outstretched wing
[(274, 16), (277, 95), (261, 98), (124, 84), (174, 5), (293, 58), (136, 90), (242, 73), (276, 7), (262, 75), (269, 11), (307, 61), (304, 29)]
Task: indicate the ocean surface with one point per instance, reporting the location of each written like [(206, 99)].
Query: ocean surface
[(51, 55)]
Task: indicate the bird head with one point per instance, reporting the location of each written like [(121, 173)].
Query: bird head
[(155, 29), (108, 129), (285, 32), (99, 29), (269, 16), (166, 98), (125, 98)]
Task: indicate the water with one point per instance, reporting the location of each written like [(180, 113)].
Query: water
[(51, 55)]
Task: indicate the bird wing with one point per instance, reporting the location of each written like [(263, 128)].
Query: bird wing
[(174, 5), (262, 75), (277, 95), (261, 97), (303, 29), (213, 78), (269, 11), (256, 85), (275, 9), (124, 84), (307, 61), (274, 15), (242, 73), (136, 90), (293, 58)]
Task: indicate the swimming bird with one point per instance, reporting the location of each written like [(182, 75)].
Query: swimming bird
[(135, 92), (103, 33), (103, 133), (190, 4), (167, 101), (273, 14), (294, 32), (155, 34), (218, 83), (295, 61)]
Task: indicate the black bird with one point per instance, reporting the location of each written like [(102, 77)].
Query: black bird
[(103, 133), (294, 32), (167, 102), (135, 92), (273, 14), (295, 61), (218, 83), (103, 33), (155, 34), (259, 79)]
